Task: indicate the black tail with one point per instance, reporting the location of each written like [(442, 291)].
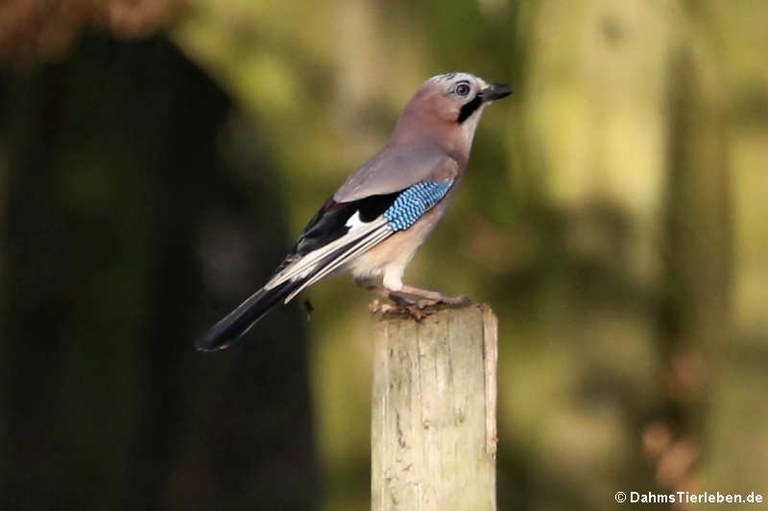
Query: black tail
[(221, 335)]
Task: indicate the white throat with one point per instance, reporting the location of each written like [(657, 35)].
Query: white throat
[(469, 126)]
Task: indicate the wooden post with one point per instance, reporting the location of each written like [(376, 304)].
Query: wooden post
[(433, 428)]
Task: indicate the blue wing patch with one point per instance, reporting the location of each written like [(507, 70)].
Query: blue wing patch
[(413, 202)]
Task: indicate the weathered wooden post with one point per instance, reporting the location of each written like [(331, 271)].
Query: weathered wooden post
[(433, 426)]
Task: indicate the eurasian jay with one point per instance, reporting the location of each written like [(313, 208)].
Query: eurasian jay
[(373, 225)]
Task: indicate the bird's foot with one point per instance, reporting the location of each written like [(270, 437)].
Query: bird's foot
[(411, 301), (419, 309), (377, 306), (401, 307), (432, 298)]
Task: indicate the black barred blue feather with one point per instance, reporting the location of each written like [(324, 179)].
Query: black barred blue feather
[(413, 202)]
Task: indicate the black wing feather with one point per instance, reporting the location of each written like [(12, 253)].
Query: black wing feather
[(328, 224)]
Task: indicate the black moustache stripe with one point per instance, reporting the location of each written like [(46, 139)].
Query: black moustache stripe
[(469, 108)]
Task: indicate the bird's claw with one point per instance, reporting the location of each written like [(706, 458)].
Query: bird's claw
[(400, 307), (384, 308), (418, 312)]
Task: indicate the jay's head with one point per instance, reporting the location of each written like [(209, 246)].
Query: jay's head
[(451, 102)]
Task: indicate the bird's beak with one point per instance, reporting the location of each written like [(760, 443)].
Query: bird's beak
[(495, 91)]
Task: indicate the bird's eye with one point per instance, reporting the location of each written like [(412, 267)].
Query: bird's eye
[(463, 89)]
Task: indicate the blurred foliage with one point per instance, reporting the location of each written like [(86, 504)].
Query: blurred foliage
[(32, 31), (613, 216)]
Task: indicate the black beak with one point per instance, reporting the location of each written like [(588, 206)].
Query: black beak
[(495, 91)]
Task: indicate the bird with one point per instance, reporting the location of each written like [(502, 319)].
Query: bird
[(375, 222)]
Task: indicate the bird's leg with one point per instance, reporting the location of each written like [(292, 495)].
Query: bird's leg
[(383, 292), (429, 298)]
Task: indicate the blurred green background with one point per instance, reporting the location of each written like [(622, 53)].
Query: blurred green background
[(157, 158)]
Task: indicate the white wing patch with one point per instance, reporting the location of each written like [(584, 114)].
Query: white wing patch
[(361, 237), (354, 221)]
